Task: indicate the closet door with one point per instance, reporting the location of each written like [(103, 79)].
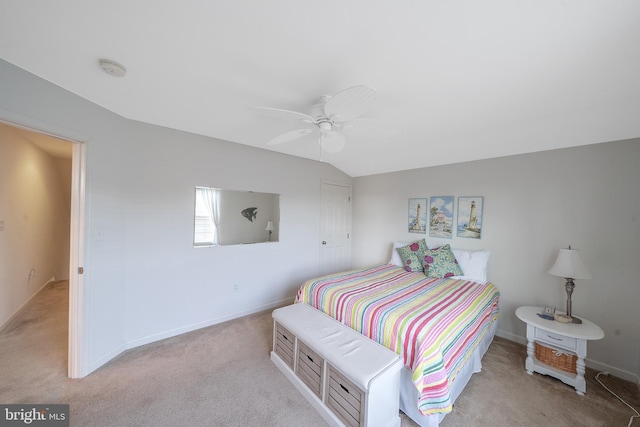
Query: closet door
[(335, 228)]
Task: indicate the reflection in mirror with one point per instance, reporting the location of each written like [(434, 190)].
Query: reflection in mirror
[(230, 217)]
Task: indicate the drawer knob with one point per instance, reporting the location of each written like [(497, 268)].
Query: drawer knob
[(344, 388)]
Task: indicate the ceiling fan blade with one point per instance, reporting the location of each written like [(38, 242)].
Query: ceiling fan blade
[(350, 103), (283, 114), (370, 128), (289, 136), (332, 142)]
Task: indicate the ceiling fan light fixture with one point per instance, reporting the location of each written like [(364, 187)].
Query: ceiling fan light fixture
[(112, 68), (324, 127), (332, 142)]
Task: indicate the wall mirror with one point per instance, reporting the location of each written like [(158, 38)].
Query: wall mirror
[(232, 217)]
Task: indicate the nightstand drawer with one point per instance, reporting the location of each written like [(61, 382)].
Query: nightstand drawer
[(558, 340)]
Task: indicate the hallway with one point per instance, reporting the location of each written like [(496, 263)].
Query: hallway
[(33, 348)]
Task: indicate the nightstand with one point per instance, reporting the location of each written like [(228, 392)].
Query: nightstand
[(570, 338)]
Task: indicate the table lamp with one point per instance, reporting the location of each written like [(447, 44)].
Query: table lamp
[(570, 266), (269, 228)]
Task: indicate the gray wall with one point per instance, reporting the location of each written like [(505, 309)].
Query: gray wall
[(143, 278), (534, 204)]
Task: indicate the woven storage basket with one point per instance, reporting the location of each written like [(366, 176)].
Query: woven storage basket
[(556, 358)]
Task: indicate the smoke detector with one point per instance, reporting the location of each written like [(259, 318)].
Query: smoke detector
[(112, 68)]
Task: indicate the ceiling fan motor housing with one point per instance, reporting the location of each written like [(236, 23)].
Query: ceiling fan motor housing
[(317, 109), (334, 115), (325, 125)]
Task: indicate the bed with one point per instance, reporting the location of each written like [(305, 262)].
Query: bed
[(440, 326)]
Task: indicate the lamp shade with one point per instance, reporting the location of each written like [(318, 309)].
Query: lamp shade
[(570, 265), (269, 226)]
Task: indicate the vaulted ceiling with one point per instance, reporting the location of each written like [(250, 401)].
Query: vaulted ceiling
[(463, 80)]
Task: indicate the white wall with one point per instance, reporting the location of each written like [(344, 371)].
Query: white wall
[(34, 209), (143, 278), (587, 197)]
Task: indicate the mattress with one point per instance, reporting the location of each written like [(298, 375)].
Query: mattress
[(434, 324)]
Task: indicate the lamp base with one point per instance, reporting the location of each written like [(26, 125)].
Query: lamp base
[(569, 288)]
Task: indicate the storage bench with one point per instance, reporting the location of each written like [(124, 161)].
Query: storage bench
[(348, 378)]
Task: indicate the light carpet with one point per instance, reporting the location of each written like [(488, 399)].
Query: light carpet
[(222, 376)]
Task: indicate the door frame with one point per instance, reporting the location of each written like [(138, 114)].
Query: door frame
[(76, 228), (76, 261), (323, 186)]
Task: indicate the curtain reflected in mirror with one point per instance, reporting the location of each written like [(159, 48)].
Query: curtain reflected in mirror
[(231, 217)]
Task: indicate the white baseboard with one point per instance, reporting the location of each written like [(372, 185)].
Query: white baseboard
[(593, 364), (102, 360), (629, 376), (179, 331), (511, 337), (616, 372), (23, 306)]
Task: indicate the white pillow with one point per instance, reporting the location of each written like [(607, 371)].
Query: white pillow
[(472, 263), (395, 256)]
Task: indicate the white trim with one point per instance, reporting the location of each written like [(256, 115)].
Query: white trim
[(512, 337), (616, 372), (98, 363), (14, 119), (178, 331), (195, 326), (76, 261)]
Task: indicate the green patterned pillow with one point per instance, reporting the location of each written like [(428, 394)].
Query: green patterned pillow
[(412, 254), (440, 262)]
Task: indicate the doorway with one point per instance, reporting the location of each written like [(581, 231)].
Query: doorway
[(52, 140)]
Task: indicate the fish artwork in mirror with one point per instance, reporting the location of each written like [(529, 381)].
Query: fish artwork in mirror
[(233, 217), (250, 213)]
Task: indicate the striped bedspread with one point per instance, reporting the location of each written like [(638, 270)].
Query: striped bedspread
[(435, 324)]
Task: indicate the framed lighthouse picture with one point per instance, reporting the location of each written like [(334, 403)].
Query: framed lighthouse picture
[(470, 217), (441, 217), (418, 215)]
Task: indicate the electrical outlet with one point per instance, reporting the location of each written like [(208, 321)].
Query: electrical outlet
[(236, 288), (32, 273)]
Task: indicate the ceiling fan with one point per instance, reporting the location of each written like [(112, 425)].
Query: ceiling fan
[(334, 117)]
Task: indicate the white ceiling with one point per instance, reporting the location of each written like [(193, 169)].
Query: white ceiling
[(464, 80)]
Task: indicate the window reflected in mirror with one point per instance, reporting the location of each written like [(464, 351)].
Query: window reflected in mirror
[(231, 217)]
